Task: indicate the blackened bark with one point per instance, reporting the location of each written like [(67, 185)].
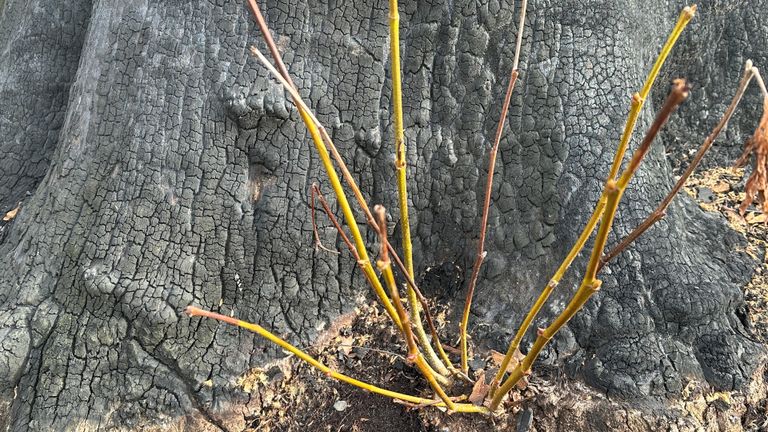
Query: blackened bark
[(164, 167)]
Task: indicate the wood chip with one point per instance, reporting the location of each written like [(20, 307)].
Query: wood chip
[(11, 214)]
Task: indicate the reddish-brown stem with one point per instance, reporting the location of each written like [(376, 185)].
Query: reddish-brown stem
[(480, 256), (314, 190), (384, 265), (590, 284), (254, 7), (414, 355), (334, 221), (661, 210), (372, 223), (488, 187)]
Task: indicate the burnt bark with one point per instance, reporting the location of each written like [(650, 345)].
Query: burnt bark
[(158, 165)]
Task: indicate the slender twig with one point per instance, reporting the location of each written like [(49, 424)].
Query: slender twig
[(760, 82), (481, 253), (366, 210), (414, 355), (402, 186), (614, 189), (397, 108), (638, 100), (315, 232), (311, 123), (420, 406), (440, 377), (334, 221), (660, 211), (385, 267), (261, 331)]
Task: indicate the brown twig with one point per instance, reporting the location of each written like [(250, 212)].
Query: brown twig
[(414, 355), (590, 284), (481, 252), (316, 233), (334, 221), (661, 210)]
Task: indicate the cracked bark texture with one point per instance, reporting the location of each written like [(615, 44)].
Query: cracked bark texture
[(160, 166)]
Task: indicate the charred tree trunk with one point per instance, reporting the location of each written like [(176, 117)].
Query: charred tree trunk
[(158, 165)]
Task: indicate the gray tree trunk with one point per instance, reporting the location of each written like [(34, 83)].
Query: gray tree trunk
[(158, 166)]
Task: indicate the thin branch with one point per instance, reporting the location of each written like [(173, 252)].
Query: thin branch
[(334, 221), (402, 185), (315, 232), (638, 100), (481, 253), (749, 72), (614, 189), (760, 82), (194, 311), (414, 355), (520, 31)]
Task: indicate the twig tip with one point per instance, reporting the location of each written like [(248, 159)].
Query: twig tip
[(193, 311)]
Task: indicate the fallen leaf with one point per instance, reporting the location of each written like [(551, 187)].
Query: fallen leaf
[(523, 383), (757, 183), (479, 390), (723, 396), (721, 187), (345, 344), (753, 218), (11, 214), (498, 358)]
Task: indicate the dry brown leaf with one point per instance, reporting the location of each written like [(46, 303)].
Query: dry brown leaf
[(345, 344), (11, 214), (721, 187), (498, 357), (479, 390), (753, 218), (757, 183)]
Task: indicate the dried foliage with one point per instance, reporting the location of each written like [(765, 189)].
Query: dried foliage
[(757, 184)]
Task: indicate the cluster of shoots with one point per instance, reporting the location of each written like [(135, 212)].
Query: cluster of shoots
[(408, 313)]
